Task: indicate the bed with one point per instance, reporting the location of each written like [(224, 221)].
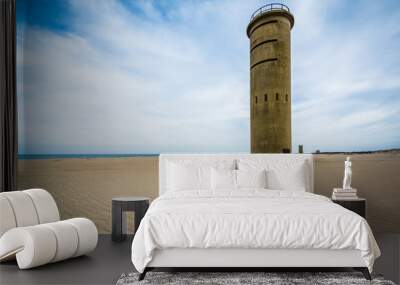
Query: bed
[(246, 211)]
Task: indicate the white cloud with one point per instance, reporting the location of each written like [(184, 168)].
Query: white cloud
[(119, 83), (345, 74), (178, 79)]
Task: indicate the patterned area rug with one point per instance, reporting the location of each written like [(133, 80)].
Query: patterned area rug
[(269, 278)]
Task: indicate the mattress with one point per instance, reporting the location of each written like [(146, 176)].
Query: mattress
[(250, 219)]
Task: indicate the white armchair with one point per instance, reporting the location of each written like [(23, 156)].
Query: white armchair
[(31, 230)]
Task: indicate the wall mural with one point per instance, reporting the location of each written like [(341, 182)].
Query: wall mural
[(105, 86)]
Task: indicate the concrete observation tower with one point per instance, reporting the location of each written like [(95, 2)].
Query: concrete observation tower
[(270, 86)]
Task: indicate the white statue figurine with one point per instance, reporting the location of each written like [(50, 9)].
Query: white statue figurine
[(347, 174)]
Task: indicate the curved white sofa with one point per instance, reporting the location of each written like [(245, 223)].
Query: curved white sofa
[(31, 230)]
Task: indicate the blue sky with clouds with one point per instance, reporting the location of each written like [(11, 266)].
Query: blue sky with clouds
[(100, 76)]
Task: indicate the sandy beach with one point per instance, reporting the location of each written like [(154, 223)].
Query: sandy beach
[(85, 186)]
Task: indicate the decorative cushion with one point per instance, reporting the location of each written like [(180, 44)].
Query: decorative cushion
[(292, 178), (188, 177), (251, 178), (223, 179), (281, 174), (193, 174)]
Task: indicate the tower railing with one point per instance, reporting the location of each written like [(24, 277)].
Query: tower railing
[(269, 7)]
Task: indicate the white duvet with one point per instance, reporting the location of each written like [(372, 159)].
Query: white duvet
[(250, 219)]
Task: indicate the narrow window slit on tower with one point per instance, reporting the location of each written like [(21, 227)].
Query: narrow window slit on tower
[(262, 43), (262, 24), (287, 98), (265, 97), (256, 99), (277, 96), (263, 61)]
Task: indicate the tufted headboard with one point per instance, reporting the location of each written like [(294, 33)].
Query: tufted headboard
[(204, 159)]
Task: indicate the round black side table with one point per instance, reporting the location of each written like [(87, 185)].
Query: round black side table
[(139, 205)]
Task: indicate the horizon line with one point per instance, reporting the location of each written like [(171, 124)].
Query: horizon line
[(115, 155)]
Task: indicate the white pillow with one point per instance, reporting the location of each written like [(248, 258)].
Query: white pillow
[(251, 178), (282, 174), (292, 178), (223, 179), (188, 177)]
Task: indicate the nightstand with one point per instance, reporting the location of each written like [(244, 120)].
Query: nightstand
[(139, 205), (358, 205)]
